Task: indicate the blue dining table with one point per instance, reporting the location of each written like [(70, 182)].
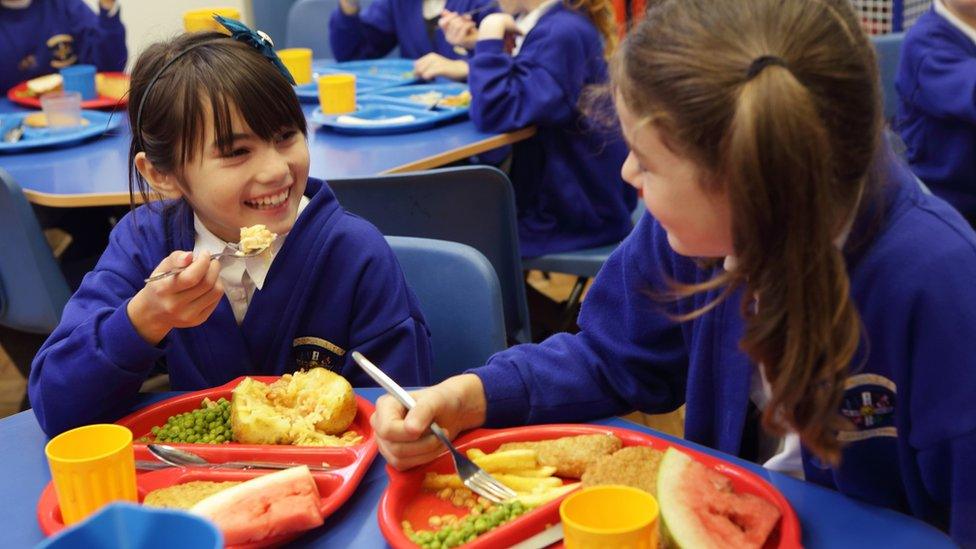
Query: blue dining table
[(828, 519), (96, 173)]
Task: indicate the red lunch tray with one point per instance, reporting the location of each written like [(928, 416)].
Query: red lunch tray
[(18, 94), (404, 498), (335, 486)]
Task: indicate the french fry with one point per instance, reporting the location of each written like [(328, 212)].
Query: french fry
[(434, 481), (542, 471), (475, 453), (527, 484), (538, 498), (508, 460)]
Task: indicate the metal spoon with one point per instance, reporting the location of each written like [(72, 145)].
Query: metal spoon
[(14, 134), (237, 254), (182, 458)]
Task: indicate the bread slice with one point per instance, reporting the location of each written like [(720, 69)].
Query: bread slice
[(44, 84), (186, 495)]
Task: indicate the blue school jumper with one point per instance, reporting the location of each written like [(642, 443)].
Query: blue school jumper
[(568, 189), (335, 286), (49, 35), (911, 405), (937, 109), (386, 24)]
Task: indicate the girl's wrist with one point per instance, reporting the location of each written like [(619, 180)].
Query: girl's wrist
[(491, 30), (471, 392), (142, 319)]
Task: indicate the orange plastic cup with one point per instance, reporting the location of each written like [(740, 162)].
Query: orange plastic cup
[(337, 93), (610, 516), (91, 466), (202, 19), (298, 61)]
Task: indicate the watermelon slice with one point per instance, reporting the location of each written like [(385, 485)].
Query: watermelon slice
[(699, 509), (264, 507)]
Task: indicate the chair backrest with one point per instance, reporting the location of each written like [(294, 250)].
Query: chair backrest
[(32, 289), (472, 205), (271, 16), (308, 26), (459, 294), (888, 48)]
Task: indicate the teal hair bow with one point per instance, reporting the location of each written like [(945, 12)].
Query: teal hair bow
[(257, 40)]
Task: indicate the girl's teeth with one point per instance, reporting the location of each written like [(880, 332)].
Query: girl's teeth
[(268, 202)]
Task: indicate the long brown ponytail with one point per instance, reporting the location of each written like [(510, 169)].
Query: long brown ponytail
[(791, 144), (601, 14)]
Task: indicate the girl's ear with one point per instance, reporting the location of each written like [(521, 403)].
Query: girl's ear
[(163, 183)]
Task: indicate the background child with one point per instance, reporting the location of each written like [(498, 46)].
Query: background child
[(43, 36), (222, 135), (937, 112), (386, 24), (754, 128), (567, 181)]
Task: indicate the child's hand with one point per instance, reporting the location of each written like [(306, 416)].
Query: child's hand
[(180, 301), (349, 7), (456, 404), (497, 26), (459, 30), (433, 65)]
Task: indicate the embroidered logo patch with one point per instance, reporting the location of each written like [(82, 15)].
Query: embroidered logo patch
[(314, 352), (869, 404), (62, 47)]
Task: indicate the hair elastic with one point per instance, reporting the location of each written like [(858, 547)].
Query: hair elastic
[(762, 62)]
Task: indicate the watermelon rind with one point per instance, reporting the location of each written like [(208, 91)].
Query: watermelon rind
[(680, 526)]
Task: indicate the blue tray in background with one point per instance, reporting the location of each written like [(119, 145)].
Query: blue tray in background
[(98, 123), (397, 70), (382, 116), (408, 95), (309, 93)]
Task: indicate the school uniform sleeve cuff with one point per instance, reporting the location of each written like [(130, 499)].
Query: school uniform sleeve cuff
[(489, 46), (123, 346), (505, 393)]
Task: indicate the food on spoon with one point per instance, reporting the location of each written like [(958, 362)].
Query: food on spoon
[(186, 495), (570, 455), (44, 84), (255, 238), (313, 408), (700, 509), (264, 507), (635, 466)]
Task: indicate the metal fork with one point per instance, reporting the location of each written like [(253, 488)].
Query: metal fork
[(475, 478), (171, 272)]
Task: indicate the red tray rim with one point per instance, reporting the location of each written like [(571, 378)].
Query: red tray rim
[(14, 95), (351, 474), (540, 518)]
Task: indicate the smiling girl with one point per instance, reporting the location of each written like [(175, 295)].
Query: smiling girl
[(219, 133), (792, 274)]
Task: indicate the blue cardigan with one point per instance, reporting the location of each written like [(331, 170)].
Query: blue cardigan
[(386, 24), (51, 34), (334, 286), (912, 402), (937, 110), (568, 188)]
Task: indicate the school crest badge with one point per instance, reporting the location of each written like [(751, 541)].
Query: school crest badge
[(62, 48), (314, 352), (869, 404)]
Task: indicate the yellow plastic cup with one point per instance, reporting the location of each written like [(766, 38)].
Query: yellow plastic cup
[(298, 61), (92, 466), (337, 93), (610, 516), (202, 19)]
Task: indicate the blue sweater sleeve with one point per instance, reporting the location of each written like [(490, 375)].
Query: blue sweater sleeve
[(628, 354), (100, 39), (91, 367), (541, 85), (387, 325), (947, 85), (370, 34)]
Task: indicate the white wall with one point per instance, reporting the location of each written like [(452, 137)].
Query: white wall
[(148, 21)]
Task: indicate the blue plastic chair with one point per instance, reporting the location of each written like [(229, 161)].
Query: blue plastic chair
[(33, 291), (584, 264), (271, 16), (136, 527), (473, 205), (459, 294), (888, 48), (308, 26)]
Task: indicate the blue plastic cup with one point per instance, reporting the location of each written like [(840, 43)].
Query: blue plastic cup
[(129, 525), (80, 78)]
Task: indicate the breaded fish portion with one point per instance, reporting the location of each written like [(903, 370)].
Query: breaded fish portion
[(634, 466), (570, 455)]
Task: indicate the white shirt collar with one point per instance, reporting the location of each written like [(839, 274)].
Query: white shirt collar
[(954, 20), (257, 267), (528, 21)]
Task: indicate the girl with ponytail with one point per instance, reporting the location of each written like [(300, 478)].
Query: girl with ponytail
[(567, 177), (791, 273)]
